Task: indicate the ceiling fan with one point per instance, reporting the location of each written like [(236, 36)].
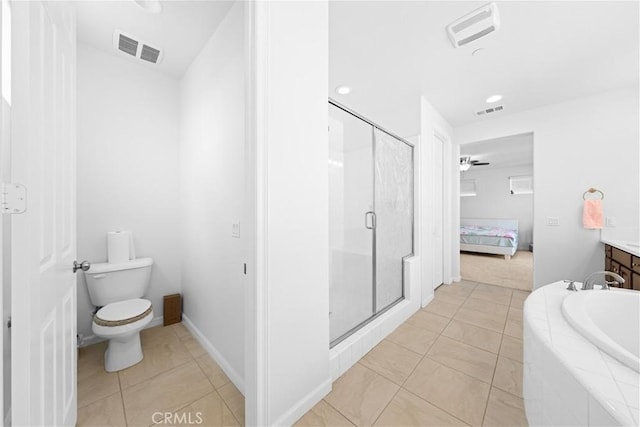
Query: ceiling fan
[(466, 163)]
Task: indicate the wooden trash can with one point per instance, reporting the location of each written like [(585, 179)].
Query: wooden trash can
[(172, 309)]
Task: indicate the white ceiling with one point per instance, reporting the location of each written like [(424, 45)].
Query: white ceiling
[(391, 52), (180, 30), (516, 150)]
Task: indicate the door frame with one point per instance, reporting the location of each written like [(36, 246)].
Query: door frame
[(439, 205), (493, 134), (432, 126)]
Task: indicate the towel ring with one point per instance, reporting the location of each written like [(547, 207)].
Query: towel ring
[(593, 190)]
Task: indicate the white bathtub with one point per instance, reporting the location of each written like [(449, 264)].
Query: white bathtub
[(610, 320), (571, 378)]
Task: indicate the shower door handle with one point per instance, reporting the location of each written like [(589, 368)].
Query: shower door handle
[(371, 215)]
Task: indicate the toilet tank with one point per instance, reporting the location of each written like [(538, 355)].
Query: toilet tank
[(108, 283)]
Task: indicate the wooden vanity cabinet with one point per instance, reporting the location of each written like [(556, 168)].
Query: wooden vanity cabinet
[(635, 272), (635, 264), (626, 275), (625, 264)]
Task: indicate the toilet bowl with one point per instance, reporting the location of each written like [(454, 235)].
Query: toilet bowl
[(117, 290), (121, 323)]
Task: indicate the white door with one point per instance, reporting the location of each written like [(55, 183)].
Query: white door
[(43, 241), (438, 207)]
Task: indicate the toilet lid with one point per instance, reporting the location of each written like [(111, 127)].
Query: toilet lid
[(123, 312)]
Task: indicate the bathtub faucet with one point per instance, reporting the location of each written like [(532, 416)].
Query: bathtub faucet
[(590, 280)]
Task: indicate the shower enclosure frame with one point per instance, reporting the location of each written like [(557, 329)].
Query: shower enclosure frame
[(377, 314)]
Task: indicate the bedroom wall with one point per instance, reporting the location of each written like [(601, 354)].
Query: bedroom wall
[(585, 142), (493, 199)]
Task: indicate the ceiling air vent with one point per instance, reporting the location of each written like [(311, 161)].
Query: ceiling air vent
[(127, 45), (490, 110), (135, 47), (149, 54), (474, 25)]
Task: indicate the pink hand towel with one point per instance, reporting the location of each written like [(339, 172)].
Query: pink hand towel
[(592, 214)]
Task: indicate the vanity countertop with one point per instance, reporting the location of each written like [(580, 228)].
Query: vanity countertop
[(627, 246)]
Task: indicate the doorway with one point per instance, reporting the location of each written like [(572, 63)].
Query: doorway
[(438, 204), (496, 211)]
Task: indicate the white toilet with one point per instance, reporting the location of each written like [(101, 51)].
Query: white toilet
[(118, 290)]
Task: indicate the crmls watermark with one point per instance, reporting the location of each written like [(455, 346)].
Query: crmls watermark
[(177, 418)]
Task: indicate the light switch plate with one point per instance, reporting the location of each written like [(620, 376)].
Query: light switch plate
[(611, 221), (235, 229), (553, 221)]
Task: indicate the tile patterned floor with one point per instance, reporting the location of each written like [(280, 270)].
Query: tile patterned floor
[(176, 376), (456, 362)]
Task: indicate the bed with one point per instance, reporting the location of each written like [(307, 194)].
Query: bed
[(489, 236)]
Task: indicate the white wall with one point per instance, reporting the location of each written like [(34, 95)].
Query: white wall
[(493, 199), (212, 193), (288, 332), (127, 170), (582, 143), (296, 215), (402, 118)]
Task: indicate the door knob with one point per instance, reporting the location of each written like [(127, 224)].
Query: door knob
[(84, 266)]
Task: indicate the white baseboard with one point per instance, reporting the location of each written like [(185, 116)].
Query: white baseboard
[(304, 405), (93, 339), (235, 378), (427, 300)]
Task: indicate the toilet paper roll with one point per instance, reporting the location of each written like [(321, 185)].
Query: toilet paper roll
[(120, 247)]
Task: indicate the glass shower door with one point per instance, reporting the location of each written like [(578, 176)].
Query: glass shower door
[(394, 216), (351, 181)]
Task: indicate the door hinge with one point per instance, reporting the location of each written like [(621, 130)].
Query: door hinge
[(13, 198)]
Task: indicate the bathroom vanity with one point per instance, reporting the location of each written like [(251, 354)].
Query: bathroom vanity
[(623, 258)]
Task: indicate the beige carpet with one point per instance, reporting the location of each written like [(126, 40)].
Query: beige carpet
[(517, 273)]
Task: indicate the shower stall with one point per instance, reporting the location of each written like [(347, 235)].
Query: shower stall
[(371, 219)]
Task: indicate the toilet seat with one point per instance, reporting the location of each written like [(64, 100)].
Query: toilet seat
[(121, 318), (121, 323), (123, 312)]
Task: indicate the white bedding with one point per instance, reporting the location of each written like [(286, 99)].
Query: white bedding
[(502, 242)]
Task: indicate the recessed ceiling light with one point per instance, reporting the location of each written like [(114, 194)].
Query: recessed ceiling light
[(343, 90), (151, 6), (494, 98)]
